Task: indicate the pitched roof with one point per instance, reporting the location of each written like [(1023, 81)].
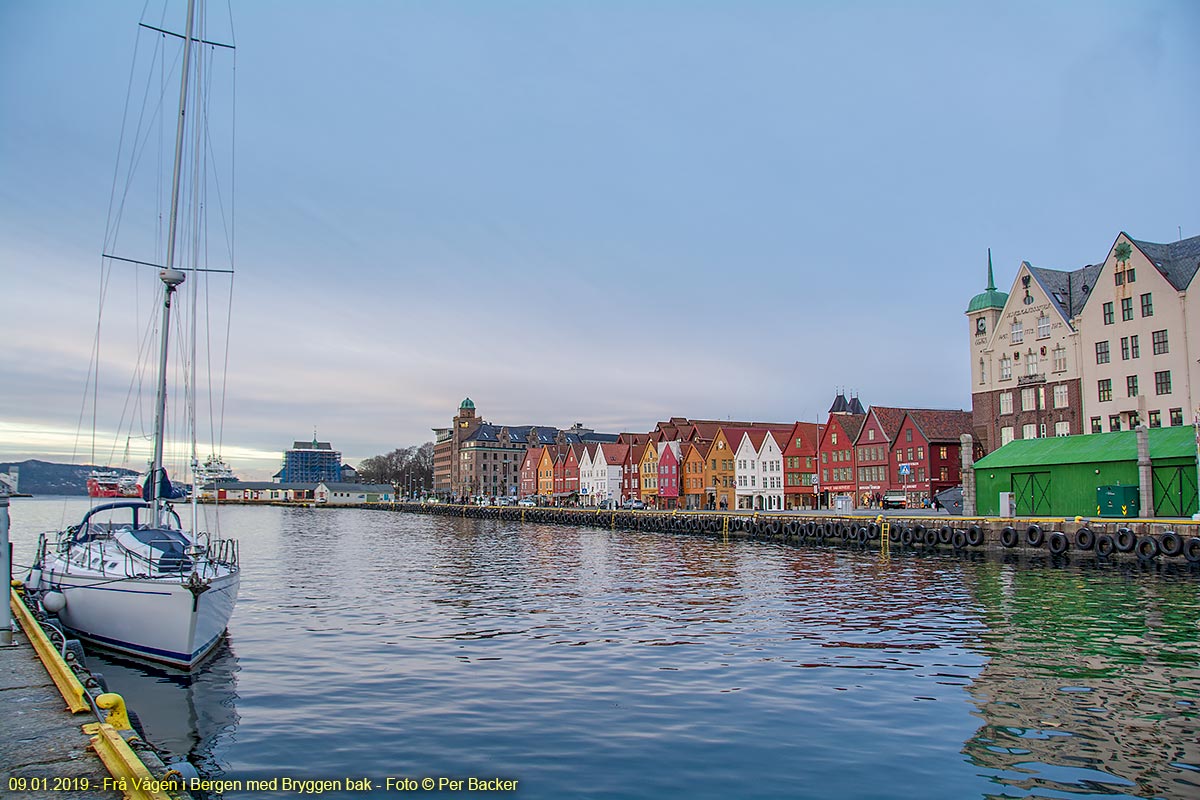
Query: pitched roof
[(1173, 442), (840, 405), (1068, 290), (852, 424), (856, 407), (889, 420), (614, 453), (942, 425), (1177, 261)]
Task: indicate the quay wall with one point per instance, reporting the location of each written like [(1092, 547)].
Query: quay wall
[(1147, 540)]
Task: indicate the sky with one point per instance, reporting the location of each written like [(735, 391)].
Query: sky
[(608, 213)]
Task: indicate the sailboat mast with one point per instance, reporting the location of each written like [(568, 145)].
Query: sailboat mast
[(170, 276)]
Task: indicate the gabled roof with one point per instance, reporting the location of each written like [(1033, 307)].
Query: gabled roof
[(636, 452), (856, 407), (614, 453), (1173, 442), (1178, 261), (942, 425), (852, 424), (1068, 291), (809, 432), (840, 404), (889, 420)]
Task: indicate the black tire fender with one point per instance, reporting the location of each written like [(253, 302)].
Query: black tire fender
[(1034, 536), (1171, 544), (1085, 539)]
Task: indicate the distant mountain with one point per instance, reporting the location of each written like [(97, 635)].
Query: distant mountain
[(43, 477)]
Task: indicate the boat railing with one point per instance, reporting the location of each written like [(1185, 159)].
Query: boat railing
[(213, 552)]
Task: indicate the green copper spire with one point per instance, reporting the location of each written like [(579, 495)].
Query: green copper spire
[(989, 298)]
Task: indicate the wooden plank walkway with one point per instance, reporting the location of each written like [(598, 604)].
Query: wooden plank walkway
[(41, 739)]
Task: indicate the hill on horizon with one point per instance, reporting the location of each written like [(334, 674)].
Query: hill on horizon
[(46, 477)]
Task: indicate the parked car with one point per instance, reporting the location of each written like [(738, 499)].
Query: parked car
[(633, 505), (895, 500), (528, 502)]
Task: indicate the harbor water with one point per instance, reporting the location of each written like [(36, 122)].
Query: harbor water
[(385, 647)]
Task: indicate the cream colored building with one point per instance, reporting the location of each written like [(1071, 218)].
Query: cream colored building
[(1140, 337), (1025, 366), (1091, 350)]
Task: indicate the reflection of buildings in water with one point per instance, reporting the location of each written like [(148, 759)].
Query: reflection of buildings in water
[(1093, 683), (190, 714)]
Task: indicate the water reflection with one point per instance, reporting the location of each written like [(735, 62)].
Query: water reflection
[(1092, 683), (186, 714)]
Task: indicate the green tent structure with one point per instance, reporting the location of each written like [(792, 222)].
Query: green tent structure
[(1070, 476)]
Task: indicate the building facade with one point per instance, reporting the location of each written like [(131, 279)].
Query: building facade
[(310, 462), (1097, 349), (1140, 337)]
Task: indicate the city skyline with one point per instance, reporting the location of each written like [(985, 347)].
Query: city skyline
[(606, 215)]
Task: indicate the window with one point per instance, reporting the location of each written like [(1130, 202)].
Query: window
[(1108, 313), (1006, 403), (1096, 425), (1124, 348), (1129, 275), (1005, 368), (1028, 400), (1159, 341), (1029, 431), (1060, 359), (1119, 278), (1006, 435), (1031, 364), (1176, 416), (1105, 390), (920, 454), (1043, 327), (908, 435), (871, 435), (1131, 385), (943, 474), (1162, 382), (1147, 305), (1114, 422), (943, 453), (1102, 352), (1135, 349), (1155, 419), (1018, 332), (1127, 308), (1061, 396), (982, 371), (1062, 429)]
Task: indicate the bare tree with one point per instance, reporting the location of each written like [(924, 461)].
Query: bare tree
[(410, 468)]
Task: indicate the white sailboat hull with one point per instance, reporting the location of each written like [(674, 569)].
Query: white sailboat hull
[(152, 618)]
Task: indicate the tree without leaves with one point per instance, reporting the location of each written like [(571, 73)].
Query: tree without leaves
[(403, 467)]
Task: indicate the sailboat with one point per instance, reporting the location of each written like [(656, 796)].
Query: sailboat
[(130, 575)]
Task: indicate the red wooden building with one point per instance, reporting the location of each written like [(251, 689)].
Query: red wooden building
[(800, 475)]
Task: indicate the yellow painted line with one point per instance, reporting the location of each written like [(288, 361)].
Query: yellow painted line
[(68, 685), (123, 764)]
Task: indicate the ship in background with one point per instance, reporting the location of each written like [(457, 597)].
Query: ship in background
[(214, 470), (109, 483)]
